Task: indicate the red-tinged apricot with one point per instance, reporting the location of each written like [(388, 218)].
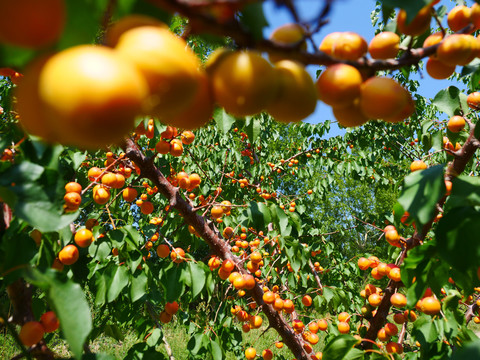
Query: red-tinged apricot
[(343, 327), (419, 24), (250, 353), (172, 307), (382, 269), (169, 66), (307, 300), (349, 46), (298, 326), (384, 45), (373, 261), (126, 23), (163, 250), (223, 274), (439, 70), (187, 137), (296, 96), (228, 265), (146, 208), (391, 329), (363, 263), (417, 165), (68, 255), (288, 34), (104, 95), (57, 264), (448, 189), (394, 348), (176, 147), (339, 85), (430, 305), (350, 116), (279, 344), (243, 82), (49, 321), (313, 327), (31, 333), (177, 255), (129, 194), (375, 274), (382, 335), (165, 317), (398, 300), (473, 99), (36, 24), (459, 17), (83, 238), (457, 49), (382, 98), (399, 318), (392, 236), (267, 354), (456, 124)]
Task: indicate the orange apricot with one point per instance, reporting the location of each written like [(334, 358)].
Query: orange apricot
[(83, 238), (172, 307), (419, 24), (72, 200), (430, 305), (126, 23), (349, 46), (350, 116), (456, 124), (287, 34), (129, 194), (163, 250), (49, 321), (384, 45), (473, 99), (339, 85), (177, 255), (457, 49), (439, 70), (307, 300), (68, 255), (459, 17), (398, 300), (343, 327), (31, 333), (417, 165)]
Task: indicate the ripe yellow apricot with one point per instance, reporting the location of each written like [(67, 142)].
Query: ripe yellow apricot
[(382, 98), (296, 97), (170, 68), (458, 49), (126, 23), (407, 111), (417, 165), (459, 17), (250, 353), (68, 255), (339, 85), (384, 45), (433, 39), (101, 194), (439, 70), (398, 300), (83, 238), (288, 34), (343, 327), (350, 116), (90, 95), (456, 124), (328, 42), (31, 23), (243, 82), (430, 305), (419, 24), (349, 46)]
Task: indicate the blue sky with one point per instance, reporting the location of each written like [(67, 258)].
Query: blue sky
[(346, 15)]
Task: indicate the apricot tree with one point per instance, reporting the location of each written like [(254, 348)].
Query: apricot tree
[(155, 163)]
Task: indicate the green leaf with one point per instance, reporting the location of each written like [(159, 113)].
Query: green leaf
[(421, 191), (174, 285), (465, 191), (457, 237), (281, 220), (216, 350), (339, 347), (450, 101), (139, 286), (68, 300), (252, 128), (97, 357), (116, 280), (258, 215), (424, 330), (224, 121), (198, 277)]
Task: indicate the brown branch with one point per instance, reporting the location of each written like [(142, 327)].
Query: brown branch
[(218, 246)]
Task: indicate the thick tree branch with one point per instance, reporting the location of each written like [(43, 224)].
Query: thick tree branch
[(218, 245)]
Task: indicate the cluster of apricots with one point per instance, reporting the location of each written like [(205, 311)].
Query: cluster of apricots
[(33, 331), (170, 143), (171, 309), (73, 196)]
